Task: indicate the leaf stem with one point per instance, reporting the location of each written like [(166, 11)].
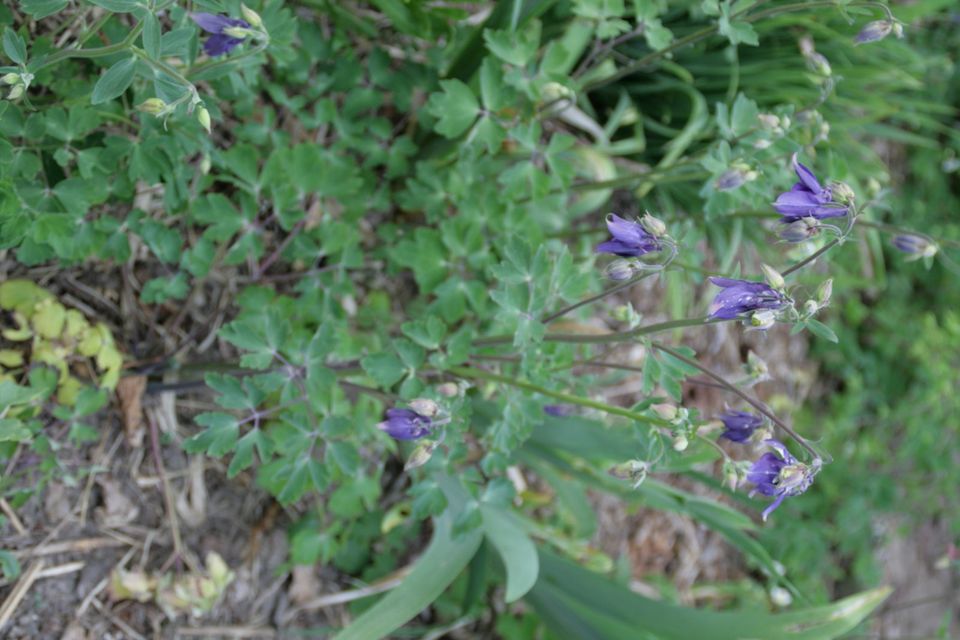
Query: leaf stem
[(606, 338)]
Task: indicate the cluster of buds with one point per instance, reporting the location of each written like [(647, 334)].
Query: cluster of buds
[(18, 83), (820, 300), (772, 127), (681, 426), (634, 471)]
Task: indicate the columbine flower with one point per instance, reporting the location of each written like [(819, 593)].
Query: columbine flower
[(743, 296), (630, 239), (807, 198), (735, 177), (800, 230), (780, 475), (917, 246), (227, 32), (740, 425), (874, 31), (405, 424)]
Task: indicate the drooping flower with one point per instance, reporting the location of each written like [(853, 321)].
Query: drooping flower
[(559, 410), (780, 475), (739, 297), (808, 198), (916, 246), (800, 230), (227, 33), (630, 239), (739, 425), (405, 424)]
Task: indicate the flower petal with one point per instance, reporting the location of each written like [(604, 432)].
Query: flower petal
[(211, 22), (806, 176)]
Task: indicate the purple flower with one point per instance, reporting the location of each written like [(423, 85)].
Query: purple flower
[(559, 410), (740, 425), (807, 198), (780, 476), (743, 296), (630, 239), (224, 29), (874, 31), (404, 424)]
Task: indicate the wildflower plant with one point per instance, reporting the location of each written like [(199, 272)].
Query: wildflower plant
[(426, 252)]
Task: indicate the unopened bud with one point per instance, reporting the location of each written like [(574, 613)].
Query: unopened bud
[(680, 442), (874, 31), (15, 92), (10, 78), (819, 64), (810, 307), (203, 117), (769, 121), (633, 470), (842, 193), (780, 597), (620, 270), (800, 230), (448, 390), (240, 33), (762, 143), (653, 226), (152, 105), (665, 411), (251, 16), (735, 177), (917, 246), (553, 91), (425, 407), (205, 164), (824, 292), (763, 319), (755, 367), (421, 455), (773, 277), (898, 29)]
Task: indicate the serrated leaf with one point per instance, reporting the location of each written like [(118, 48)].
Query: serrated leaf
[(385, 368), (114, 81), (457, 108)]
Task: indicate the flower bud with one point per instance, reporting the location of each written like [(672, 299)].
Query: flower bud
[(898, 30), (15, 92), (780, 597), (251, 16), (633, 470), (10, 78), (620, 270), (755, 367), (665, 411), (874, 31), (769, 121), (237, 32), (819, 64), (680, 442), (552, 91), (763, 319), (448, 390), (800, 230), (810, 307), (917, 246), (205, 164), (762, 144), (824, 292), (152, 105), (734, 177), (421, 455), (425, 407), (203, 117), (654, 226), (842, 193), (773, 277)]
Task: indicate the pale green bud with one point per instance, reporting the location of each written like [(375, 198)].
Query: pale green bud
[(842, 193), (203, 117), (237, 32), (665, 411), (680, 442), (448, 390), (654, 226), (152, 105), (810, 307), (15, 92), (425, 407), (620, 270), (763, 319), (421, 455), (780, 597), (773, 277), (10, 78), (251, 16), (824, 292)]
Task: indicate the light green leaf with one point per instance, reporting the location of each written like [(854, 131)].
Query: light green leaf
[(40, 9), (456, 108), (517, 551), (151, 36), (14, 46), (821, 330), (114, 82), (440, 564)]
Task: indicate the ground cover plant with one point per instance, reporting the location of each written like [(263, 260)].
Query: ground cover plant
[(394, 318)]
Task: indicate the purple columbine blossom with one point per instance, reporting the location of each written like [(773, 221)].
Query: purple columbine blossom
[(874, 31), (915, 245), (780, 476), (807, 198), (743, 296), (559, 410), (630, 239), (405, 424), (221, 42), (740, 425)]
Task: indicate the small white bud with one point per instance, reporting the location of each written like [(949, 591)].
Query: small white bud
[(773, 277)]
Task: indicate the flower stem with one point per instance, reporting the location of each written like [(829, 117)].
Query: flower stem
[(756, 404), (489, 376), (606, 338), (97, 52)]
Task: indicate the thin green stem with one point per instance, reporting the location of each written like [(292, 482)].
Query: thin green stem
[(97, 52), (756, 404), (215, 64), (481, 374), (606, 338)]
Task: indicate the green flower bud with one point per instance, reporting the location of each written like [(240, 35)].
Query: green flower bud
[(763, 319), (15, 92), (824, 292), (425, 407), (654, 226), (680, 442), (421, 455), (153, 106), (203, 117), (773, 277), (448, 390), (665, 411), (842, 193), (10, 78), (251, 16)]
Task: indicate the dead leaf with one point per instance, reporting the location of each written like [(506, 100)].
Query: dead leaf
[(130, 394), (56, 504), (117, 509), (75, 632), (304, 585), (192, 502)]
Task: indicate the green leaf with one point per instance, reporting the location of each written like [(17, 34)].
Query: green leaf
[(439, 565), (151, 36), (13, 430), (9, 565), (821, 330), (744, 115), (457, 108), (385, 368), (517, 551), (119, 6), (114, 82), (514, 47), (427, 332), (568, 597), (14, 46), (40, 9)]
